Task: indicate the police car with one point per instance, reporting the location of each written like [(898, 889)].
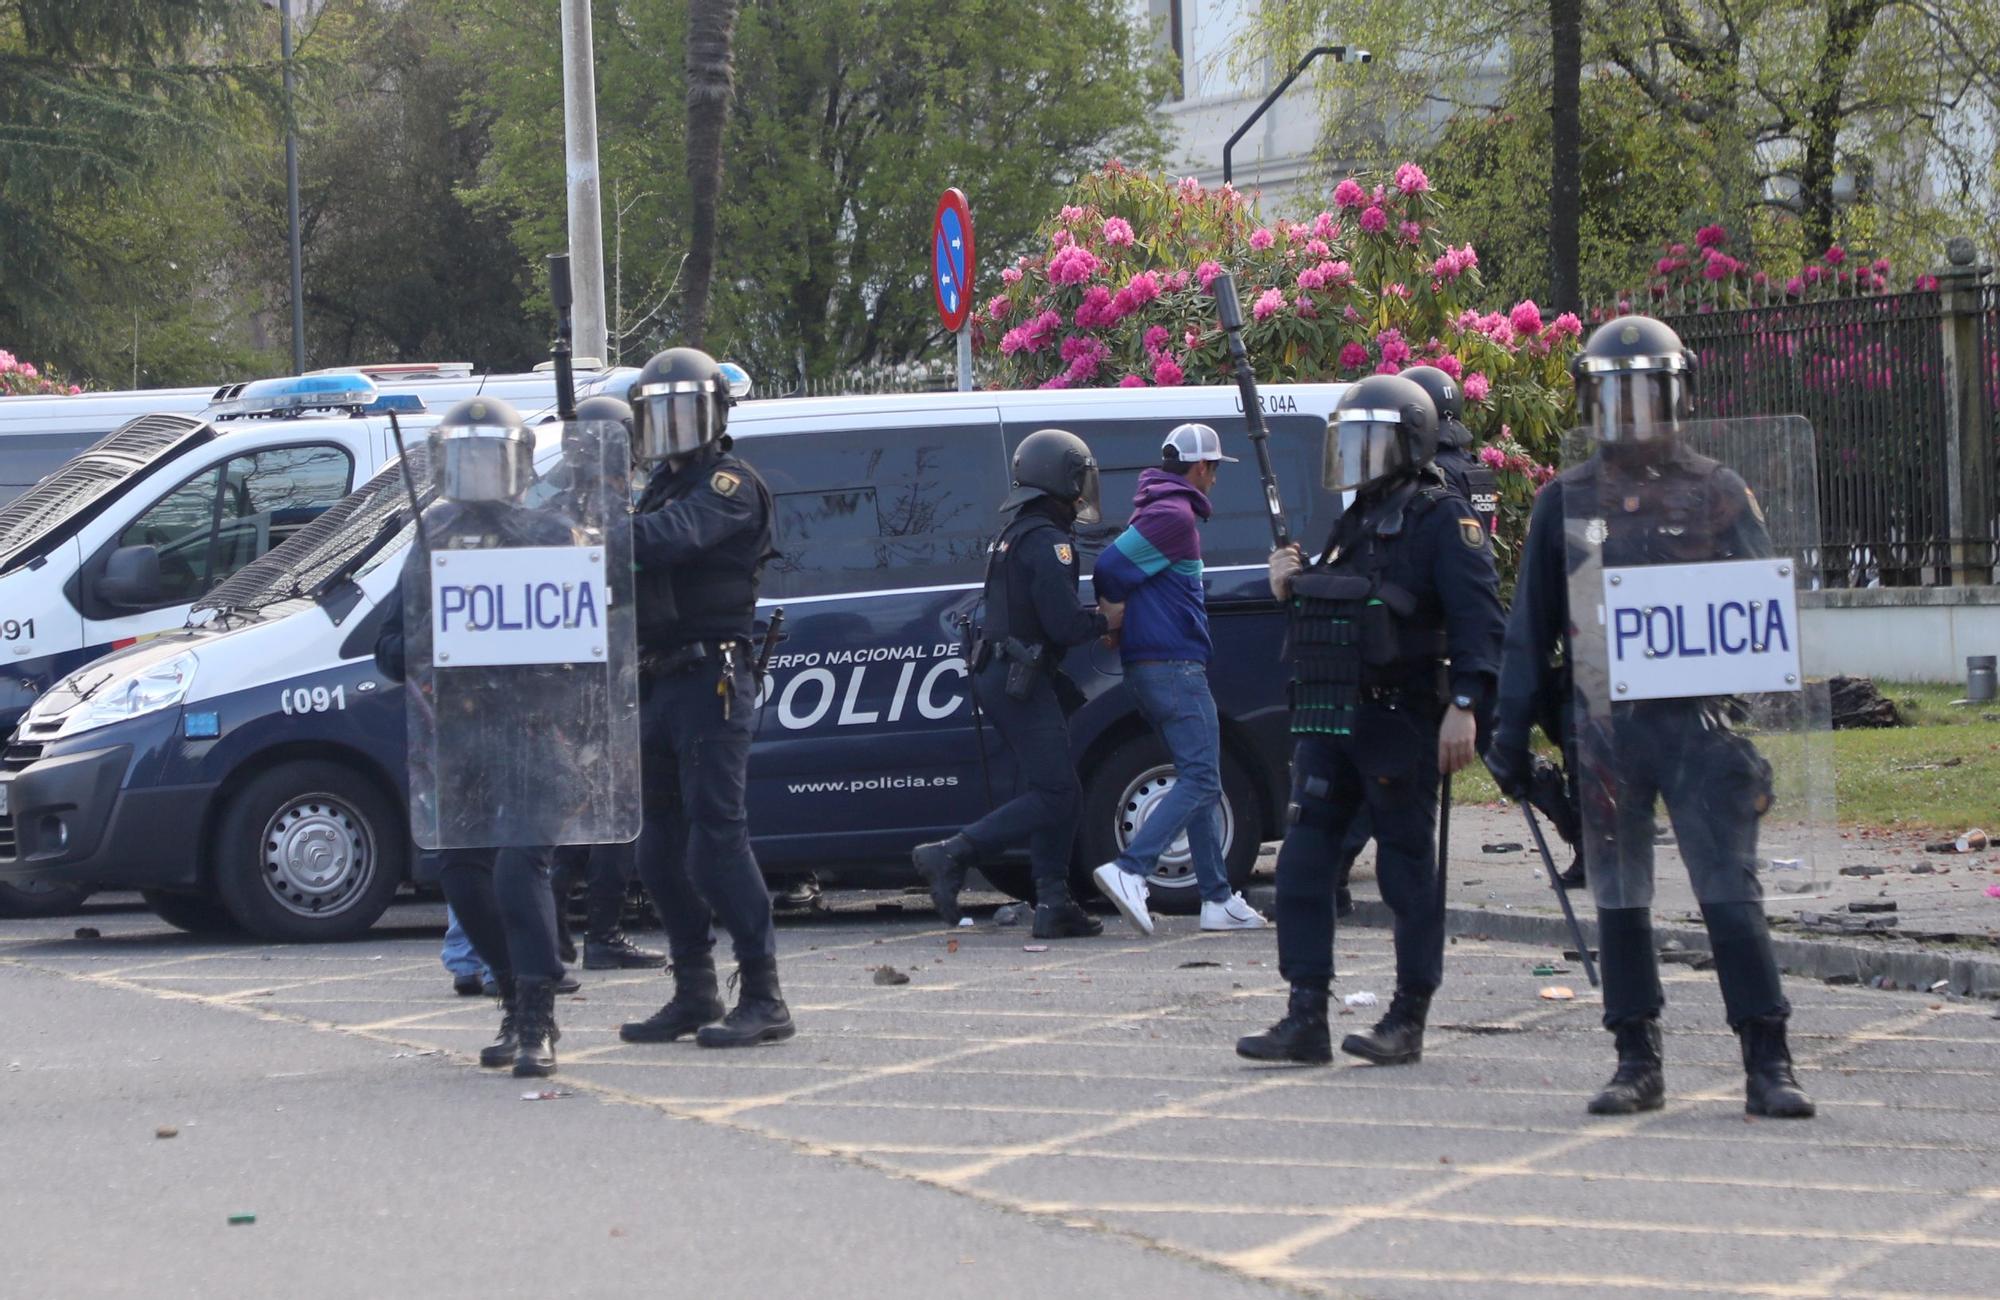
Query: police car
[(114, 546), (250, 771)]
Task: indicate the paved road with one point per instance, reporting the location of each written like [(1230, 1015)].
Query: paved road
[(1062, 1123)]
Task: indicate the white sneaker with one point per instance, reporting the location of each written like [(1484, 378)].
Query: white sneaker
[(1126, 890), (1234, 914)]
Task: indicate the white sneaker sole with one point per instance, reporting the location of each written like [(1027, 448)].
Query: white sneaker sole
[(1108, 885), (1228, 923)]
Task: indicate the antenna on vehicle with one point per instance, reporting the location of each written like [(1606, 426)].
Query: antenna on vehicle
[(409, 483)]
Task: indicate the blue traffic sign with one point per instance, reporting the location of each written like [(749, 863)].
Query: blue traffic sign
[(952, 260)]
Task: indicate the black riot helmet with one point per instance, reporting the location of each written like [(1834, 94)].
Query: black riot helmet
[(1055, 463), (481, 451), (605, 407), (1633, 381), (1384, 427), (1449, 400), (680, 404)]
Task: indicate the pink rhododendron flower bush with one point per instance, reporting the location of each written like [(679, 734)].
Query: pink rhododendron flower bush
[(1711, 273), (23, 379), (1119, 296)]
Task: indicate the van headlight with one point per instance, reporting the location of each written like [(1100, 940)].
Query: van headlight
[(161, 686)]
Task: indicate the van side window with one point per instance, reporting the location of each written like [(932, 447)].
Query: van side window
[(1239, 530), (858, 511), (223, 518)]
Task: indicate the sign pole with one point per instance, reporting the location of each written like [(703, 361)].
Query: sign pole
[(965, 360)]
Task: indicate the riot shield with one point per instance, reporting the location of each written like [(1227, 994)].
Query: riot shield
[(1697, 734), (523, 688)]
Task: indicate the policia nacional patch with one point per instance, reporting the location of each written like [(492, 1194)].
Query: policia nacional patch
[(725, 483), (1063, 552), (1472, 533)]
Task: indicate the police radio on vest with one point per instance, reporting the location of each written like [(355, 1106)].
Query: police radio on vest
[(1679, 631)]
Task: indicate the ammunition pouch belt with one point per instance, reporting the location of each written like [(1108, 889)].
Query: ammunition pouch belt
[(1353, 643), (683, 658)]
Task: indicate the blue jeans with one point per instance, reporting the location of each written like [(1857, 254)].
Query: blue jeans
[(457, 955), (1174, 696)]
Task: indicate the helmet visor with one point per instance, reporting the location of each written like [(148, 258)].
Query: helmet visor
[(1088, 507), (673, 420), (1361, 448), (1634, 405), (483, 468)]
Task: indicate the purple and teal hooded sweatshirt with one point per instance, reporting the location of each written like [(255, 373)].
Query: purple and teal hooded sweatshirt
[(1154, 566)]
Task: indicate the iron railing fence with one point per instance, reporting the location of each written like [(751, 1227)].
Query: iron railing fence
[(1871, 375)]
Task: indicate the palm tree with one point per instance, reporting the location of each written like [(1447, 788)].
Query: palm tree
[(711, 84)]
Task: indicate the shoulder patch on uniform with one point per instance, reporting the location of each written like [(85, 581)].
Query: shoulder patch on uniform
[(725, 483), (1065, 552), (1472, 534)]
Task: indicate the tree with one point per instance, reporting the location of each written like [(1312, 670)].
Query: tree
[(711, 87), (860, 114), (111, 112)]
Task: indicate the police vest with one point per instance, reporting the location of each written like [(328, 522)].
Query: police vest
[(1009, 609), (712, 597), (1474, 480), (1673, 512), (1353, 628)]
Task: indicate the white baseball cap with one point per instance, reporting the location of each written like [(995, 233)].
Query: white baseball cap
[(1193, 442)]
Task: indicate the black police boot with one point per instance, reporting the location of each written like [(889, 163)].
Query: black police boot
[(613, 951), (693, 1005), (1573, 878), (943, 864), (1343, 904), (1770, 1088), (1641, 1080), (565, 942), (535, 1021), (567, 984), (1301, 1036), (1398, 1037), (1059, 916), (760, 1014), (507, 1042)]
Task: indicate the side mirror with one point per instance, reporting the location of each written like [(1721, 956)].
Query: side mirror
[(131, 578)]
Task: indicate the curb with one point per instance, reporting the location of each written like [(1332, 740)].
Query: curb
[(1823, 959)]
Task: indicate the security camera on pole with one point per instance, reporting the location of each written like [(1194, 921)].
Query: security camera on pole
[(951, 275)]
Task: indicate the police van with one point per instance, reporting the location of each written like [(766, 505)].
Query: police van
[(250, 771), (116, 545)]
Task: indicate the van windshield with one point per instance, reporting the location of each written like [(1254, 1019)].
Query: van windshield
[(52, 510), (331, 547)]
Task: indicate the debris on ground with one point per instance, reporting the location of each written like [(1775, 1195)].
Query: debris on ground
[(1013, 914), (1841, 923), (166, 1131), (1504, 846), (1872, 905), (1199, 965), (547, 1094), (951, 945), (428, 1051), (1854, 702), (1993, 891), (1973, 841), (241, 1220), (1361, 999), (1034, 947), (966, 923), (1549, 968), (1862, 871), (1558, 993), (1695, 958), (88, 932), (890, 975)]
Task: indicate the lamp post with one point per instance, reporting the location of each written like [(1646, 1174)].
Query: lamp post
[(292, 192), (1340, 55)]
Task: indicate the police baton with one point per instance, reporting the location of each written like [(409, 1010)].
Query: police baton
[(1231, 311), (1444, 838), (1562, 895), (773, 633), (978, 714), (561, 295), (409, 484)]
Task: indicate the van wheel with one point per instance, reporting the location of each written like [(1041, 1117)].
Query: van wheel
[(195, 913), (38, 898), (308, 852), (1123, 792)]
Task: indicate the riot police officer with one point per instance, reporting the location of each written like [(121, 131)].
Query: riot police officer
[(701, 534), (1464, 473), (1395, 638), (1032, 615), (1660, 502), (482, 462)]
